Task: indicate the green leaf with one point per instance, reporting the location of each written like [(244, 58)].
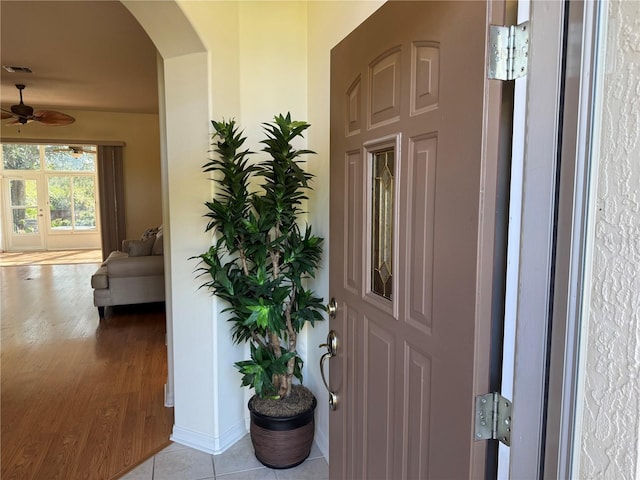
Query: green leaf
[(259, 315)]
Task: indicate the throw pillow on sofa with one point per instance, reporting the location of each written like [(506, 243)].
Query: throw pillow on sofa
[(158, 244), (149, 233), (141, 248)]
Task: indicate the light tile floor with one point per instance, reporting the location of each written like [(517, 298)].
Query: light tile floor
[(177, 462)]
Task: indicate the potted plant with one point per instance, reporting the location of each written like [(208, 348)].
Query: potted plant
[(258, 264)]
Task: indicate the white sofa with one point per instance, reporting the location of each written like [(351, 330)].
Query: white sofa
[(133, 275)]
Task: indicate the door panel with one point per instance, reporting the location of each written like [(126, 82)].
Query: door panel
[(384, 99), (412, 160), (353, 221), (415, 441), (421, 189), (379, 384), (425, 76), (25, 214)]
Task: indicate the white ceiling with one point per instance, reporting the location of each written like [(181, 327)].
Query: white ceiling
[(85, 55)]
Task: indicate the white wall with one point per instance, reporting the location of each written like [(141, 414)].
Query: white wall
[(610, 436), (273, 64)]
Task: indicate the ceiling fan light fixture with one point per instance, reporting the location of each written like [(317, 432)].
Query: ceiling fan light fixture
[(75, 151)]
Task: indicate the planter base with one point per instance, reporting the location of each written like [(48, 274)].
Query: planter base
[(282, 442), (282, 449)]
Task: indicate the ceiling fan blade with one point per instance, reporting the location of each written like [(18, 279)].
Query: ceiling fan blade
[(53, 118), (6, 115)]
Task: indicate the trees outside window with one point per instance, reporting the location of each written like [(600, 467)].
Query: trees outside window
[(62, 159), (20, 157), (72, 204), (24, 206)]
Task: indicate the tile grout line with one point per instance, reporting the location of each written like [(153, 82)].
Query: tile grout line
[(271, 473)]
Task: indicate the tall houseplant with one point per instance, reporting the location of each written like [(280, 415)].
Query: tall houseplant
[(262, 255)]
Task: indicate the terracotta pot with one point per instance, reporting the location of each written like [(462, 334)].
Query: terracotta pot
[(282, 442)]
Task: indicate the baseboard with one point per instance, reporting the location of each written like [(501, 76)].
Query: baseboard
[(231, 437), (208, 443), (190, 438)]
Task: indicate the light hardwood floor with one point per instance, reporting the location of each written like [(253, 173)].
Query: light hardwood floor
[(49, 257), (80, 398)]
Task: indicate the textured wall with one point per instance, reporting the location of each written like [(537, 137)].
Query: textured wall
[(611, 409)]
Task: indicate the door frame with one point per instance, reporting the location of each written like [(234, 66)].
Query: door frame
[(6, 207), (552, 236), (578, 171), (536, 242)]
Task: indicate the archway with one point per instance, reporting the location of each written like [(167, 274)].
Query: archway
[(193, 382)]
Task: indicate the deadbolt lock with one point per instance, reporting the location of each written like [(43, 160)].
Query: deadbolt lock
[(332, 308)]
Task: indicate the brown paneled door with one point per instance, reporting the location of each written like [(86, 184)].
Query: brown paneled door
[(414, 131)]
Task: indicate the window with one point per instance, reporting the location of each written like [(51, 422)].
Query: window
[(20, 157), (72, 203), (24, 206), (70, 158), (69, 173), (382, 186)]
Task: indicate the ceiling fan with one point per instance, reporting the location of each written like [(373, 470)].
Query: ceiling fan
[(75, 150), (23, 114)]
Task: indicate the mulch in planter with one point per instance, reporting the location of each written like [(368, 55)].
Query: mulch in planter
[(300, 400)]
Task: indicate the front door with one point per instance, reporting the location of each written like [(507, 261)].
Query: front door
[(414, 135)]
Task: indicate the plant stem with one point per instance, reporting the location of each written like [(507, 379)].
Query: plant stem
[(257, 339), (293, 340), (274, 343), (275, 261), (243, 258)]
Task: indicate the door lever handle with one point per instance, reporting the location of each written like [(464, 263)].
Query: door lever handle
[(332, 344), (332, 350)]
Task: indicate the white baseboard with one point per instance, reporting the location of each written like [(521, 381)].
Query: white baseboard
[(208, 443), (231, 437), (190, 438)]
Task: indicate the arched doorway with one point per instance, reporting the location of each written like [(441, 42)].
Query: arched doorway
[(204, 417)]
